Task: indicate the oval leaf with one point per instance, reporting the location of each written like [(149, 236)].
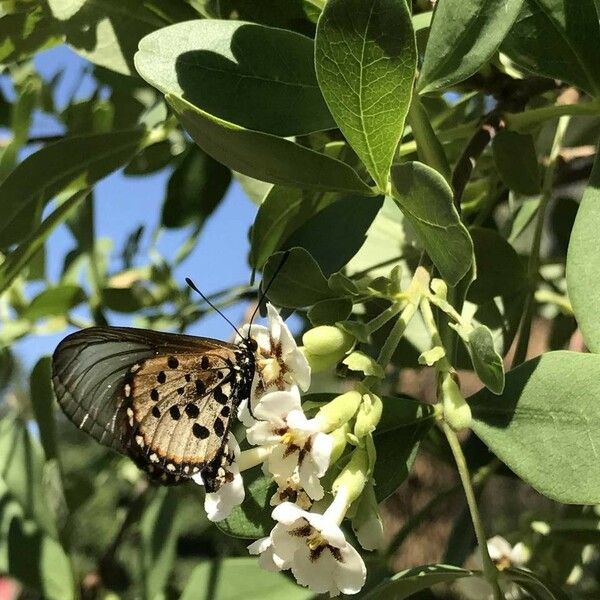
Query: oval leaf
[(486, 361), (546, 424), (244, 73), (517, 163), (463, 37), (583, 262), (426, 200), (366, 61), (264, 156)]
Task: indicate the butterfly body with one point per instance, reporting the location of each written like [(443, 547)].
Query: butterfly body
[(165, 400)]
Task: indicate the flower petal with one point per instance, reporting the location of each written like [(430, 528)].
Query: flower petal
[(264, 548), (322, 445), (319, 574), (277, 405), (351, 572), (218, 505)]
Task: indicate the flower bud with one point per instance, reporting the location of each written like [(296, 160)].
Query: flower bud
[(339, 411), (354, 475), (368, 415), (318, 363), (340, 441), (326, 339), (366, 521), (457, 413), (439, 288)]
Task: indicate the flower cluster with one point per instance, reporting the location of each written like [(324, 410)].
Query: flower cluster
[(296, 450)]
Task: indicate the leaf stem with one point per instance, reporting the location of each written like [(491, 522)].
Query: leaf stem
[(382, 318), (534, 258), (489, 569), (528, 119)]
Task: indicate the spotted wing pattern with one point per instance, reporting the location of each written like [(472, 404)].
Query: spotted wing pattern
[(165, 400)]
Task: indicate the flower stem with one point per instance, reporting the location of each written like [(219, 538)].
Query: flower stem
[(381, 319), (252, 457), (396, 334), (489, 569), (534, 258)]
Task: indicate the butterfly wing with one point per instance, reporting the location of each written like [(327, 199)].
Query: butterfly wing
[(164, 399)]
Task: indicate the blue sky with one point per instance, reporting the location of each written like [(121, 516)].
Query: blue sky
[(123, 203)]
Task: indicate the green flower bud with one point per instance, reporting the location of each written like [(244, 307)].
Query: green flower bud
[(326, 339), (366, 520), (354, 475), (339, 438), (320, 363), (368, 415), (339, 411), (457, 413), (439, 288)]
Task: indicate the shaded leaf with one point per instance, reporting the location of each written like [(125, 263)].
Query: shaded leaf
[(54, 301), (264, 156), (240, 72), (516, 161), (426, 200), (42, 402), (328, 312), (464, 35), (486, 361), (366, 61), (534, 585)]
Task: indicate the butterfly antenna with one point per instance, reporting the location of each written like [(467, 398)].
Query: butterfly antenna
[(284, 258), (193, 286)]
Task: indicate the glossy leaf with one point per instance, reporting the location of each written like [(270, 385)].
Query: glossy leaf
[(264, 156), (516, 161), (426, 200), (258, 77), (486, 361), (546, 424), (195, 189), (220, 580), (366, 60), (559, 40), (54, 301), (531, 583), (329, 312), (299, 283), (406, 583), (583, 262), (463, 37), (74, 162)]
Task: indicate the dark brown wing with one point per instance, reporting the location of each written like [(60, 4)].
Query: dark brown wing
[(91, 367)]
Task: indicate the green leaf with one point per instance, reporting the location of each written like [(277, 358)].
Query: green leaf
[(558, 39), (583, 262), (38, 561), (240, 72), (329, 312), (546, 424), (426, 200), (75, 162), (264, 156), (486, 361), (220, 580), (150, 159), (299, 283), (365, 58), (516, 161), (20, 257), (464, 36), (22, 474), (24, 33), (42, 402), (107, 33), (531, 583), (159, 532), (195, 189), (54, 301), (282, 212), (252, 519), (404, 584), (403, 424)]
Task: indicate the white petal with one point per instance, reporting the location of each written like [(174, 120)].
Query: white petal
[(322, 445), (519, 555), (261, 433), (244, 414), (260, 545), (277, 405), (299, 368), (318, 575), (311, 485), (498, 548), (287, 513), (259, 333), (275, 323), (370, 533), (328, 528), (285, 546), (351, 573), (218, 505), (264, 548), (281, 465)]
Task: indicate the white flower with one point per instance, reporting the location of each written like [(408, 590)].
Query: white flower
[(280, 364), (314, 547), (298, 444), (218, 505), (291, 490), (504, 555)]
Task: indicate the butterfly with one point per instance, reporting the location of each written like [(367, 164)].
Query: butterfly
[(165, 400)]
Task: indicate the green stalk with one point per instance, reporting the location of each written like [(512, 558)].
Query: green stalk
[(529, 119), (534, 258), (489, 569)]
